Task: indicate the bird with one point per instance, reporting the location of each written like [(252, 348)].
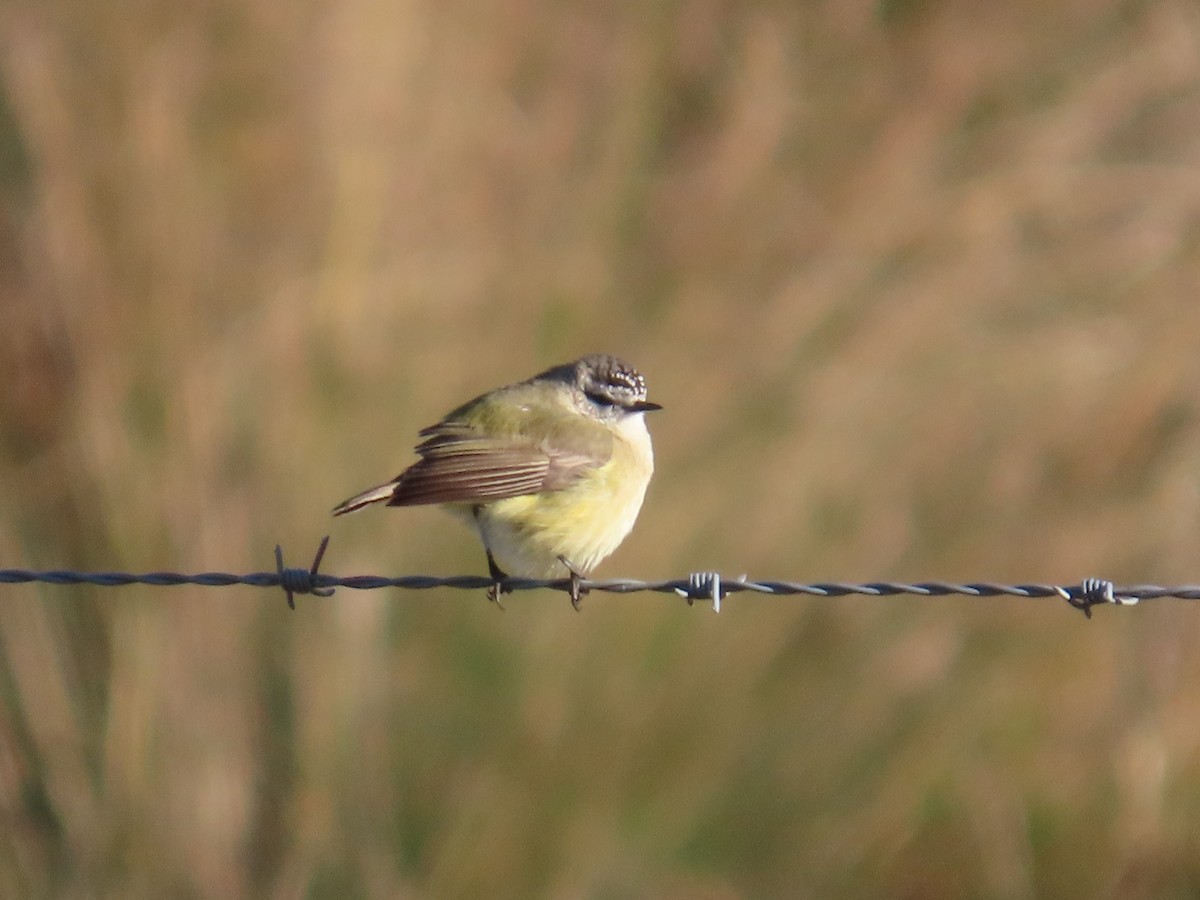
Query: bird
[(550, 472)]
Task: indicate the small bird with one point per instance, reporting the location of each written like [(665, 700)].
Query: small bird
[(550, 472)]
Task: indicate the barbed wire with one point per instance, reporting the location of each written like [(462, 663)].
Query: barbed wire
[(699, 586)]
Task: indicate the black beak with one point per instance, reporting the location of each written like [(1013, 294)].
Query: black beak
[(643, 406)]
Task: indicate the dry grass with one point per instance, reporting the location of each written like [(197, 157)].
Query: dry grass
[(917, 283)]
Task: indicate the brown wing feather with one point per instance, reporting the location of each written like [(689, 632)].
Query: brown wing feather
[(457, 468), (460, 465)]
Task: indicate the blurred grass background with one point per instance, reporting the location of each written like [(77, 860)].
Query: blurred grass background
[(917, 283)]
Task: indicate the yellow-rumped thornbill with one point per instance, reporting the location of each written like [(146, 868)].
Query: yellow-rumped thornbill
[(550, 472)]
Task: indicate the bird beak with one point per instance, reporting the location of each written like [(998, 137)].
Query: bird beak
[(644, 406)]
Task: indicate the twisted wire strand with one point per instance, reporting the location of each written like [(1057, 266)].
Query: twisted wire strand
[(702, 586)]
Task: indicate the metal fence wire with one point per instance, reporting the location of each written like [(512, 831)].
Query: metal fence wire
[(710, 587)]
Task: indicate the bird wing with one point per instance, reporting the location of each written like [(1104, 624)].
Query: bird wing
[(459, 465)]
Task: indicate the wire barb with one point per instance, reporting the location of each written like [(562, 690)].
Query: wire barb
[(300, 581), (703, 586), (1095, 591)]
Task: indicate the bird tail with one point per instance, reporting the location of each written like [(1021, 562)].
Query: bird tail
[(358, 501)]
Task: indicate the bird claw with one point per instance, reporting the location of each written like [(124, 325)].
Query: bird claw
[(495, 591)]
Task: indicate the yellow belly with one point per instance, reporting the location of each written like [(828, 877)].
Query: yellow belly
[(583, 523)]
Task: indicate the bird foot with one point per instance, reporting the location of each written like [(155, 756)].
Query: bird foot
[(499, 582), (575, 589)]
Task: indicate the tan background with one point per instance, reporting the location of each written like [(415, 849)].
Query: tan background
[(917, 283)]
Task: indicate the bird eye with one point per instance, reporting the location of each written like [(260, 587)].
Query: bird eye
[(600, 399)]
